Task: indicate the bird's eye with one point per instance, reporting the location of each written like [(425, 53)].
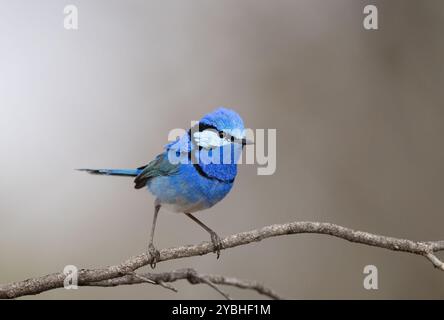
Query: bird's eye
[(221, 134)]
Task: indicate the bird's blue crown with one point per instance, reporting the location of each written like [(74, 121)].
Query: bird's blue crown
[(223, 119)]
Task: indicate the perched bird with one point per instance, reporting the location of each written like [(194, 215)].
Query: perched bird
[(194, 172)]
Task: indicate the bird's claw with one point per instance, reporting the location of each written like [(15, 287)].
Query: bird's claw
[(154, 254), (217, 243)]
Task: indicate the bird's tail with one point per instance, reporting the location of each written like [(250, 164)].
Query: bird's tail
[(114, 172)]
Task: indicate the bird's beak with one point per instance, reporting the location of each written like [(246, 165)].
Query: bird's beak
[(246, 141)]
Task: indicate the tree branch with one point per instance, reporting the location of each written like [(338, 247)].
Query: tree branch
[(88, 276)]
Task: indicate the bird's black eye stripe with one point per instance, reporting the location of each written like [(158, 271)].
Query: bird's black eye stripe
[(204, 126)]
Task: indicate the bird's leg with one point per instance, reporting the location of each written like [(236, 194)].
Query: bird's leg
[(154, 253), (215, 239)]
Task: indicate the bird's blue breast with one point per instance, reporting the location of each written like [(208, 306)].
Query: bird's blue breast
[(219, 164), (189, 190)]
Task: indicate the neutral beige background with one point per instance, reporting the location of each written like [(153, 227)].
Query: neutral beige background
[(359, 116)]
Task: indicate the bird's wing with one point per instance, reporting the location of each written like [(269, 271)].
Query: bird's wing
[(160, 166)]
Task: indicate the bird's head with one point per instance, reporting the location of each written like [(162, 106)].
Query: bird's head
[(220, 128)]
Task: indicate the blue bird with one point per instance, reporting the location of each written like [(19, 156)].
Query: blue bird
[(194, 172)]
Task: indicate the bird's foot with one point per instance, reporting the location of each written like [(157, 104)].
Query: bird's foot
[(217, 243), (154, 254)]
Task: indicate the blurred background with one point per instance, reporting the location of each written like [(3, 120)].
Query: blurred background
[(359, 117)]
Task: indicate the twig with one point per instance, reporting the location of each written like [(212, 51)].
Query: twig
[(142, 279), (245, 284), (194, 278)]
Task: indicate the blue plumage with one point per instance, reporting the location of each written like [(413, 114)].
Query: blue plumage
[(202, 177), (188, 190)]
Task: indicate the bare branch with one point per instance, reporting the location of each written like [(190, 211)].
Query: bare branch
[(144, 279), (245, 284), (88, 276), (435, 261), (193, 277)]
